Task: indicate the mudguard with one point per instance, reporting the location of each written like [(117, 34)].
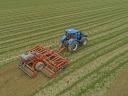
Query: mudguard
[(71, 41)]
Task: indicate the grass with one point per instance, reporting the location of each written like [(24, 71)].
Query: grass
[(97, 71), (27, 40), (23, 24)]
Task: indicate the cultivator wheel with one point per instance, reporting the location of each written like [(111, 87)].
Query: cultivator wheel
[(39, 66)]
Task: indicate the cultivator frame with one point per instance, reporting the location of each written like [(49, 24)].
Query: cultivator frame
[(52, 61)]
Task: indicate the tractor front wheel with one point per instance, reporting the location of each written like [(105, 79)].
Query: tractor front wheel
[(73, 46), (39, 66)]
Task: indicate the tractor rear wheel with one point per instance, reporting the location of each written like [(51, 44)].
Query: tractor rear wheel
[(73, 46), (39, 66), (83, 40)]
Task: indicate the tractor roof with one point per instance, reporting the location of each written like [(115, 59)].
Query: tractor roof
[(71, 30)]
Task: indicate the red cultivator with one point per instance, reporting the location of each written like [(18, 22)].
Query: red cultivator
[(42, 59), (49, 61)]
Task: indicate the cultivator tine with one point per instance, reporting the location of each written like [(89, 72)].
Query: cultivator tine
[(49, 73), (60, 49), (46, 74), (28, 71)]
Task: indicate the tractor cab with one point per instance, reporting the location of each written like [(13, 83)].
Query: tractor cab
[(72, 33), (73, 38)]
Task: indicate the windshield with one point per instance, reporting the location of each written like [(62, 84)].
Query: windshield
[(68, 35)]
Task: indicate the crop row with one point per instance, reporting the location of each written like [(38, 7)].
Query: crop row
[(93, 68), (32, 10), (95, 40), (47, 20), (100, 72), (19, 31), (49, 11), (56, 40), (28, 19), (24, 12), (24, 38)]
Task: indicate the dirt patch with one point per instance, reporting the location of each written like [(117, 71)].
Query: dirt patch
[(119, 86), (14, 82)]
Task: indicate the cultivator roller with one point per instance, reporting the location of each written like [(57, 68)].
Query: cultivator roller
[(42, 59)]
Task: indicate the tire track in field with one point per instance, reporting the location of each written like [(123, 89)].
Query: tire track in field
[(61, 82)]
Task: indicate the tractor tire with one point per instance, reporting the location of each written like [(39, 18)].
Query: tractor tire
[(73, 47), (83, 41), (39, 66)]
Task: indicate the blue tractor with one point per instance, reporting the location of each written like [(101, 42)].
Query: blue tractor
[(72, 39)]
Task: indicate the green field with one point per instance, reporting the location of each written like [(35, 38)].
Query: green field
[(26, 23)]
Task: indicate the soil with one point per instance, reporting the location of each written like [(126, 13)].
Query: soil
[(119, 86), (14, 82)]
